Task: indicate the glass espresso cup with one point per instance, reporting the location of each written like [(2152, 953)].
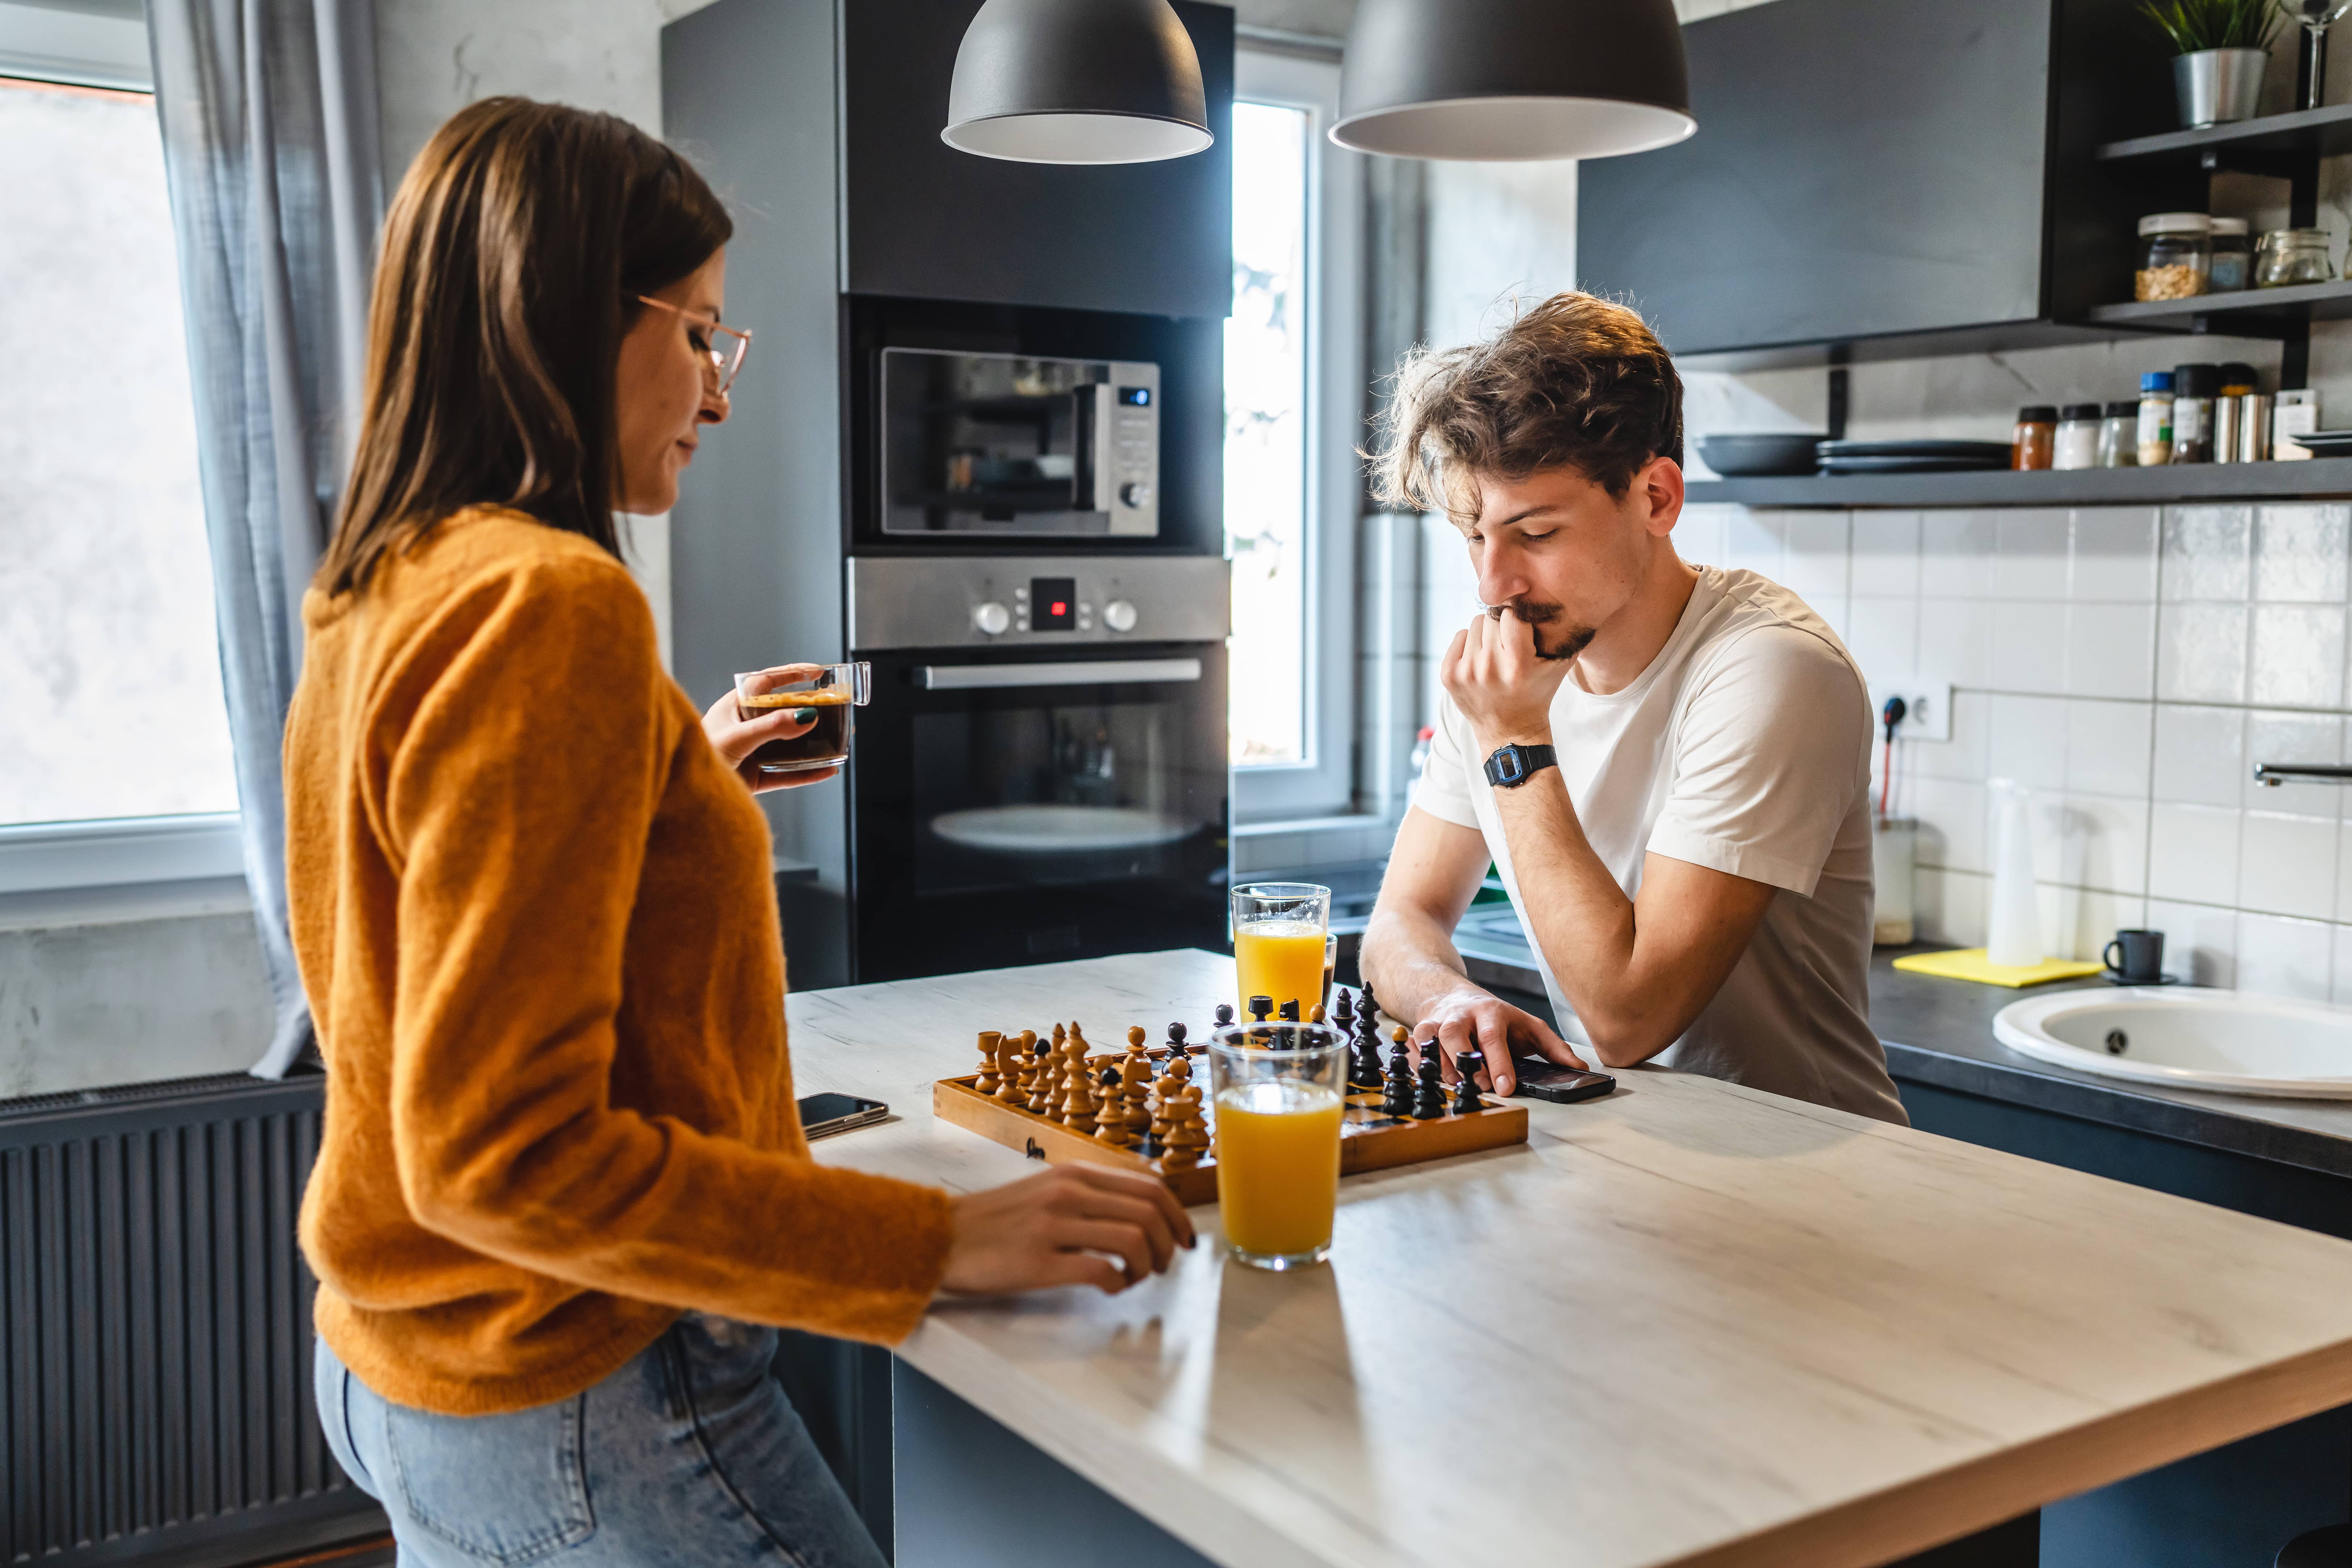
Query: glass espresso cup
[(1279, 1092), (826, 690), (1279, 932)]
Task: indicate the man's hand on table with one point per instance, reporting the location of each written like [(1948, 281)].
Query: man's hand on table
[(1466, 1017), (1063, 1226)]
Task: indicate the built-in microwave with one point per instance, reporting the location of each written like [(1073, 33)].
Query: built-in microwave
[(1017, 446)]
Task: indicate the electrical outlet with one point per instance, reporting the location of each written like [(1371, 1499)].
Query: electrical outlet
[(1927, 709)]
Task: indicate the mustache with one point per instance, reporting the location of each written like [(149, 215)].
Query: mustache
[(1539, 615)]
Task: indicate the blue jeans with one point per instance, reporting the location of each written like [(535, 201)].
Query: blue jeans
[(689, 1455)]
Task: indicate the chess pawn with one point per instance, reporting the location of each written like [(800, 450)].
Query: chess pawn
[(1224, 1015), (1135, 1036), (1260, 1008), (1177, 1049), (1343, 1010), (1187, 1136), (1135, 1083), (1469, 1064), (1079, 1098), (991, 1041), (1111, 1117), (1020, 1069), (1045, 1086), (1164, 1091), (1315, 1013), (1429, 1099), (1399, 1084)]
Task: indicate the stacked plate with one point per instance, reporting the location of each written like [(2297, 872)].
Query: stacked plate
[(2327, 443), (1911, 456), (1754, 456)]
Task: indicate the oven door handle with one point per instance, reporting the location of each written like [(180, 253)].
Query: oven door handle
[(1086, 672)]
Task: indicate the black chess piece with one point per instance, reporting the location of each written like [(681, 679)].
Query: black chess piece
[(1343, 1010), (1429, 1101), (1110, 1080), (1398, 1099), (1176, 1033), (1289, 1013), (1260, 1007), (1366, 1058), (1367, 1004), (1224, 1015), (1469, 1064)]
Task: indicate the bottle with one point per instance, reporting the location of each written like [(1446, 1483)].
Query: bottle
[(2078, 446), (2037, 436), (2155, 418), (2194, 388), (2119, 435), (2237, 383), (2231, 266)]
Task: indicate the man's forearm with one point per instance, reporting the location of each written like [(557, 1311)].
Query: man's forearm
[(1581, 920), (1409, 961)]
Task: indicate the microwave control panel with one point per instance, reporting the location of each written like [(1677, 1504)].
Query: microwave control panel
[(1013, 601)]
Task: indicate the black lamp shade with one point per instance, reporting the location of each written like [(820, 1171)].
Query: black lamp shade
[(1510, 80), (1077, 81)]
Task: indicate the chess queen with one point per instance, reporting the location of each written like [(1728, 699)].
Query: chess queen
[(563, 1200)]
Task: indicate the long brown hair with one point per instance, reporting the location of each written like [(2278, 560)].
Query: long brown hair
[(512, 257)]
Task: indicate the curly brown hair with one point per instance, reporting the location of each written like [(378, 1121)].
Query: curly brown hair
[(1575, 382)]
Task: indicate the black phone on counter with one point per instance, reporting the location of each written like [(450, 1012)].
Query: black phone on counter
[(1542, 1079), (823, 1115)]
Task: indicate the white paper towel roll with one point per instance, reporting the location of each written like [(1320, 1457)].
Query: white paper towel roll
[(2013, 936)]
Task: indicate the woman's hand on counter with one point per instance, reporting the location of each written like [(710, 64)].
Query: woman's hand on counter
[(1064, 1226), (735, 738)]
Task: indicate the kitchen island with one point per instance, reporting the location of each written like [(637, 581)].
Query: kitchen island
[(1688, 1323)]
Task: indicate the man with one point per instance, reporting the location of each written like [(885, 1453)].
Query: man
[(1668, 764)]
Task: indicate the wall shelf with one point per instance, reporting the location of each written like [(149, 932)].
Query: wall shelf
[(2243, 313), (2078, 486), (2310, 133)]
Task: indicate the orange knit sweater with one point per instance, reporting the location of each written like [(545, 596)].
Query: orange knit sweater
[(535, 915)]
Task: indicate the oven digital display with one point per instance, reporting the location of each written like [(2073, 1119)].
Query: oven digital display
[(1135, 396), (1053, 604)]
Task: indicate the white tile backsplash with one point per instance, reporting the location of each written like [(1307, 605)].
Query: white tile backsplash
[(2200, 941), (2192, 853), (1956, 552), (2296, 656), (2200, 653), (2115, 550), (2108, 748), (1885, 547), (2288, 865), (2029, 646), (2107, 649), (2275, 737), (2299, 553), (2284, 957), (2030, 554), (2029, 742), (2207, 551), (2200, 754)]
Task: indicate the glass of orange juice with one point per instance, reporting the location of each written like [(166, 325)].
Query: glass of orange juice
[(1280, 1093), (1278, 939)]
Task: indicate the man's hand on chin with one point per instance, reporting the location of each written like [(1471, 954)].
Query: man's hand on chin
[(1499, 682)]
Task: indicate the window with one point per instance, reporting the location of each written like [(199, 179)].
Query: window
[(110, 701), (1292, 399)]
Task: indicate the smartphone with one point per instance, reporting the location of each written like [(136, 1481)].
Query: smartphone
[(1542, 1079), (822, 1115)]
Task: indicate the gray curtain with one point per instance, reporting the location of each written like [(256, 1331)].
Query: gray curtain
[(268, 111)]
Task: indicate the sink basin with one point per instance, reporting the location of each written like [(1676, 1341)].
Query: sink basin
[(2233, 1042)]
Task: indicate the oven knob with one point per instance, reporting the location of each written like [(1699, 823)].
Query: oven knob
[(991, 618), (1135, 493), (1119, 616)]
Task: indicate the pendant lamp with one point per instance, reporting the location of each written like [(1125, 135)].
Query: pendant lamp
[(1513, 79), (1077, 81)]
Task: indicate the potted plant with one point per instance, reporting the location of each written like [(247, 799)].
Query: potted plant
[(2222, 46)]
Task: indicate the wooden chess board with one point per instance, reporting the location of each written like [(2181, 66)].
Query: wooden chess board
[(1370, 1137)]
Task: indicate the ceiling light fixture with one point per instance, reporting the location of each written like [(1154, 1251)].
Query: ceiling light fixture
[(1077, 81), (1511, 79)]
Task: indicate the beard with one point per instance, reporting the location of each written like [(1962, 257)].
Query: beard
[(1555, 637)]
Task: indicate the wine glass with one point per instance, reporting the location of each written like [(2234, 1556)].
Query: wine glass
[(2316, 16)]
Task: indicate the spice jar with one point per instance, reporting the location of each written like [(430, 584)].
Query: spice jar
[(2155, 418), (2119, 435), (2237, 383), (2230, 265), (2175, 253), (2078, 446), (2037, 436), (2291, 256), (2194, 388)]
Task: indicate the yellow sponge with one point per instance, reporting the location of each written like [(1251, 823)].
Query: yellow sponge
[(1970, 964)]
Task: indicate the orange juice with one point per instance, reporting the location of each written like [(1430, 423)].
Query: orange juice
[(1278, 1166), (1281, 959)]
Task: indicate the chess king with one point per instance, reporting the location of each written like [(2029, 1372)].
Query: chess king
[(1669, 764)]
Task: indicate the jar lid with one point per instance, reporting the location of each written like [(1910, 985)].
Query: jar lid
[(2295, 236), (2229, 225), (2238, 372), (2038, 413), (2155, 381), (2176, 223), (2081, 411), (2122, 409), (2197, 380)]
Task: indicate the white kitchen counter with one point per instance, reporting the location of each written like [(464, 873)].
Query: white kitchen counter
[(1689, 1323)]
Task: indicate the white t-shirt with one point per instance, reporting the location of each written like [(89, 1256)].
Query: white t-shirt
[(1744, 746)]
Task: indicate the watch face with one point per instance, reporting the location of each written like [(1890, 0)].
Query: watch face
[(1509, 764)]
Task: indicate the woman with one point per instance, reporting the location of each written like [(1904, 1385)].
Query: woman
[(563, 1176)]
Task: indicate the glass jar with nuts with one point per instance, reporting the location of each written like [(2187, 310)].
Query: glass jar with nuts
[(2176, 251)]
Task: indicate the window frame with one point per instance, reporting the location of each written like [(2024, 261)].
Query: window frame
[(92, 51), (1323, 784)]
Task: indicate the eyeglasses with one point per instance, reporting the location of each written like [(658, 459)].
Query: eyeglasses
[(725, 345)]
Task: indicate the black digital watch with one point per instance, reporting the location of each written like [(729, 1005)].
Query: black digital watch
[(1512, 766)]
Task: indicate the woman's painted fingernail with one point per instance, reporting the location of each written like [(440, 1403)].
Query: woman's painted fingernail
[(804, 715)]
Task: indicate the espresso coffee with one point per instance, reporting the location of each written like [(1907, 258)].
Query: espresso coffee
[(827, 742)]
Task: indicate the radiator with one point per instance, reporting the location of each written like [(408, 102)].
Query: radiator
[(155, 1315)]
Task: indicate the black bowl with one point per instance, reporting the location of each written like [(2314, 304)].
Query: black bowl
[(1751, 456)]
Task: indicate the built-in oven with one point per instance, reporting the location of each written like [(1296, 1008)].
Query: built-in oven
[(1041, 774), (1014, 446)]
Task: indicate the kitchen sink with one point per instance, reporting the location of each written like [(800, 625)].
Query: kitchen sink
[(2233, 1042)]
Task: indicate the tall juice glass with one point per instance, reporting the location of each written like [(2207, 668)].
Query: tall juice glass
[(1278, 935), (1280, 1093)]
